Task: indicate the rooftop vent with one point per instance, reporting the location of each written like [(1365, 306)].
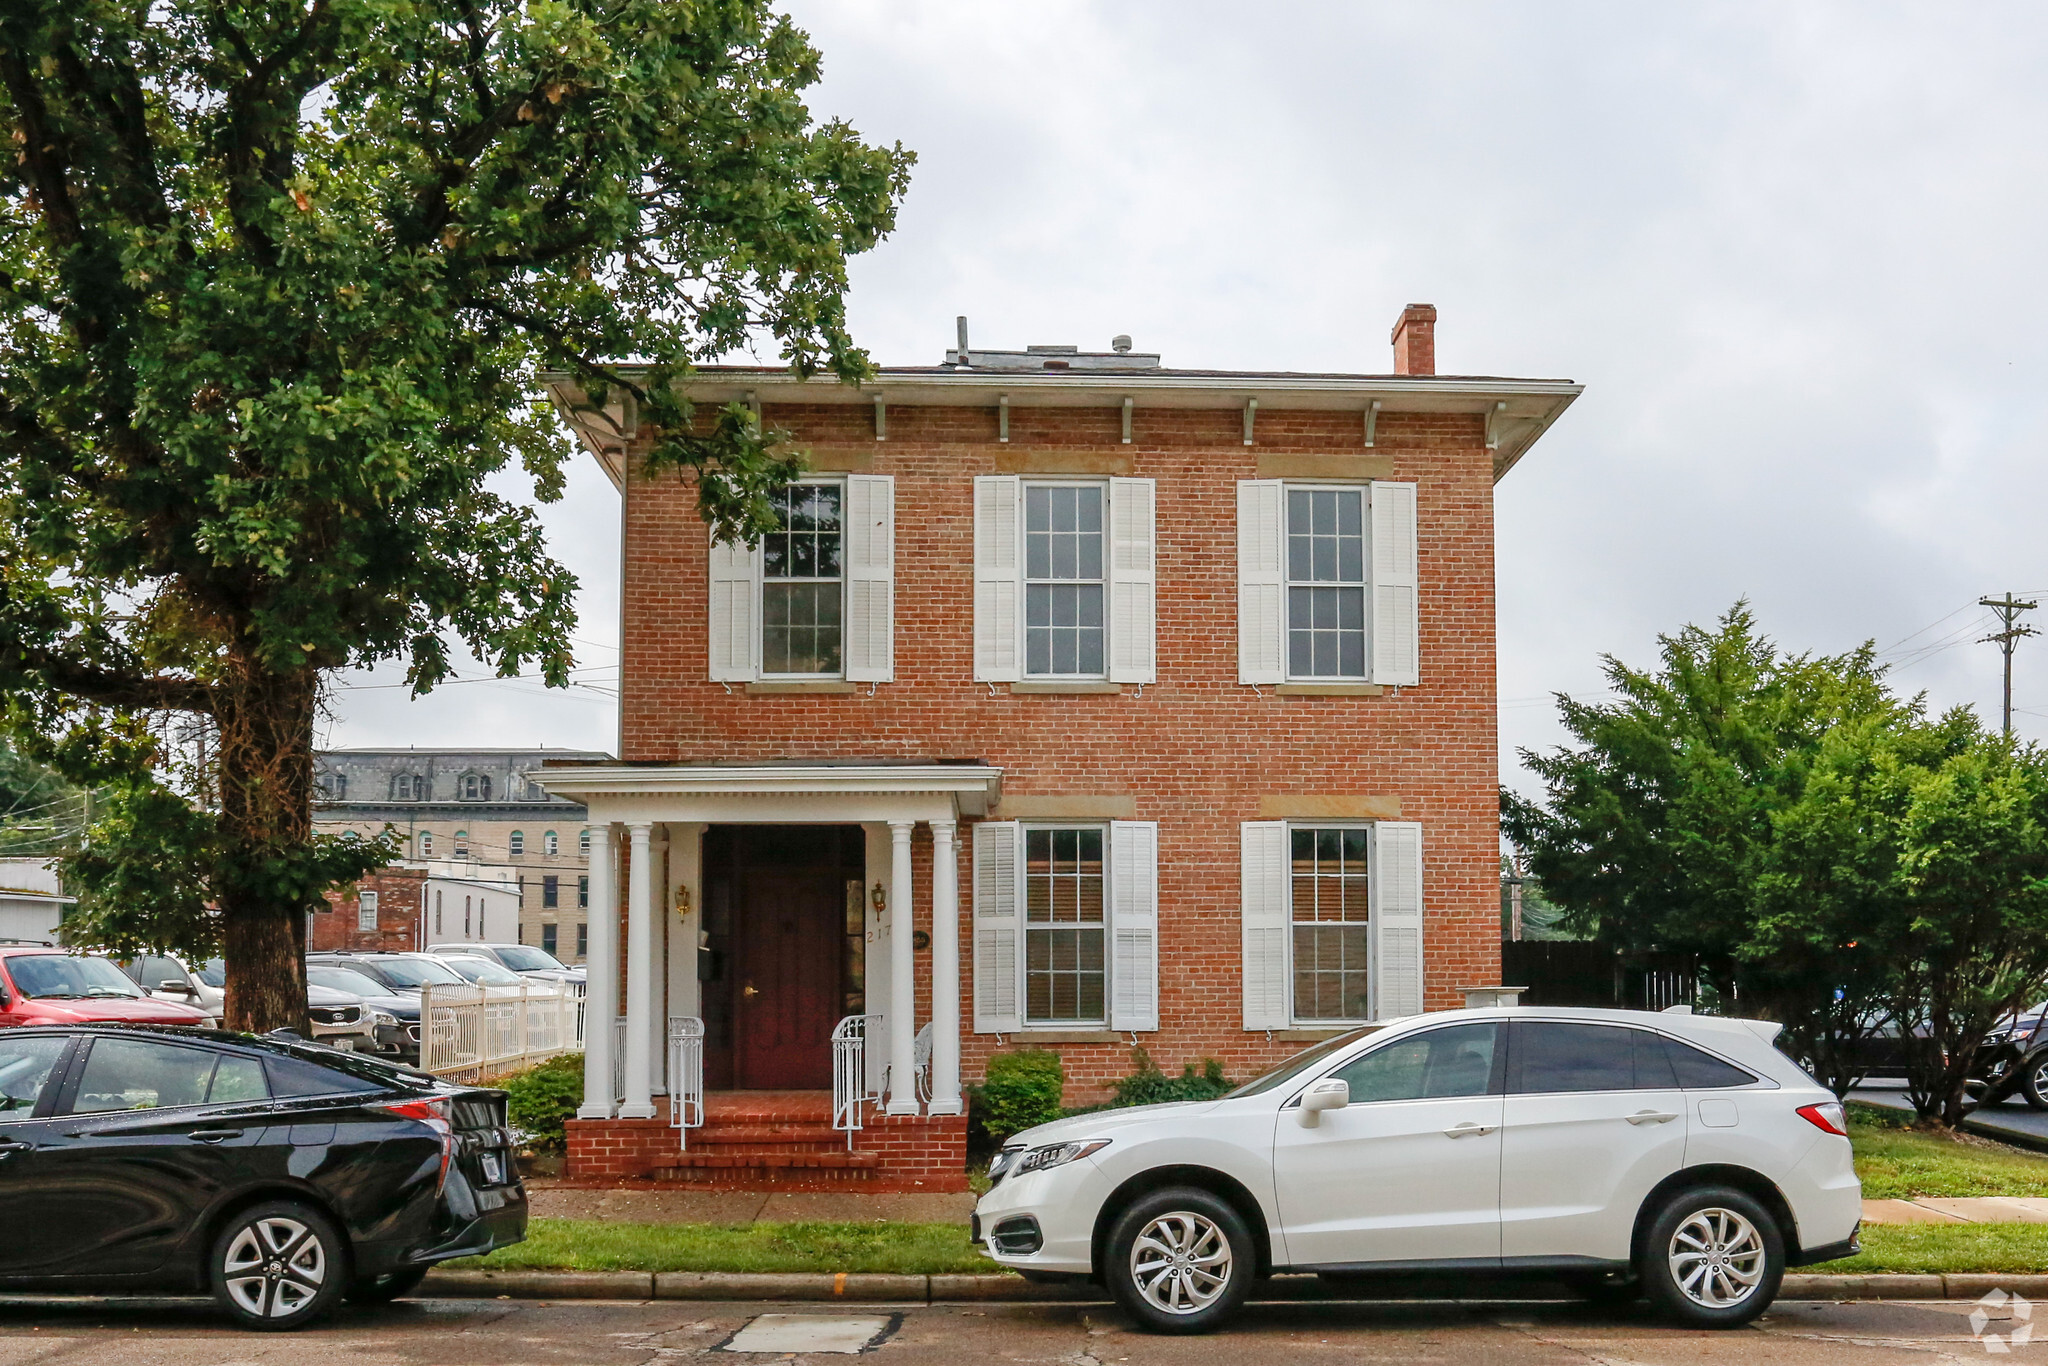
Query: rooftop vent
[(1050, 357)]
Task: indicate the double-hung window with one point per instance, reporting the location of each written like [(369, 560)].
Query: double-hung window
[(1327, 583), (1066, 926), (803, 587), (1063, 581), (1332, 922), (814, 598)]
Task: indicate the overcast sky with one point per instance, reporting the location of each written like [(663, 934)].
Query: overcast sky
[(1793, 252)]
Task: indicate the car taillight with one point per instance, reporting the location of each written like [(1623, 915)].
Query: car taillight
[(433, 1114), (1827, 1117)]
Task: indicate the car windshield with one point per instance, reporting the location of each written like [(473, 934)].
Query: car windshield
[(59, 976), (1299, 1063), (520, 958), (214, 973), (346, 979), (414, 973), (485, 971)]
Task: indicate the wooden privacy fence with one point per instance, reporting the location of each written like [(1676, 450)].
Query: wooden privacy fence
[(1568, 973), (470, 1034)]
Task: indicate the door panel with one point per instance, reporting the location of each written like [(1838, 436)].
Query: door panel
[(1576, 1164), (789, 940), (33, 1221), (1410, 1171)]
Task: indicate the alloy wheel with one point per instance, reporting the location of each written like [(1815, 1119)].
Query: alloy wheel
[(1181, 1262), (1716, 1257), (274, 1267)]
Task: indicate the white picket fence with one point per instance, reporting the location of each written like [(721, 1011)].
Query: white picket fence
[(468, 1034)]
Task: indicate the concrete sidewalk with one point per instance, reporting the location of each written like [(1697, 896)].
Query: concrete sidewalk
[(1988, 1209)]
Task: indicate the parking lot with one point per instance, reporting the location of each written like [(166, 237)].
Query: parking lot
[(498, 1333)]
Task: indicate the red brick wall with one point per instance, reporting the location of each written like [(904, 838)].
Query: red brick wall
[(1197, 749), (917, 1153), (398, 909)]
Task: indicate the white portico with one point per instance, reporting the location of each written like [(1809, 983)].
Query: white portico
[(726, 870)]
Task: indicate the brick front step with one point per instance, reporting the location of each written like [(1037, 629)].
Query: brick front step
[(767, 1133), (775, 1157)]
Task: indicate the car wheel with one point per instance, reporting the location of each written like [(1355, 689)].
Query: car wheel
[(279, 1266), (2034, 1080), (1712, 1258), (392, 1285), (1180, 1260)]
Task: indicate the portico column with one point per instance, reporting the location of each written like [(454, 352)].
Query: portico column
[(601, 973), (945, 972), (639, 1101), (902, 985)]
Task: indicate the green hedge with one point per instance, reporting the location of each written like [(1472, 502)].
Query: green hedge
[(1023, 1089), (1150, 1086), (544, 1098)]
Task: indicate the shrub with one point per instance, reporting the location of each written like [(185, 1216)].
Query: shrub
[(542, 1099), (1150, 1086), (1022, 1090)]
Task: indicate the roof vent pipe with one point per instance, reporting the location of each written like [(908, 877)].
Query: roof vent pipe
[(1120, 343), (960, 323)]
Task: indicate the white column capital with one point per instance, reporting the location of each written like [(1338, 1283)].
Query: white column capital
[(944, 829)]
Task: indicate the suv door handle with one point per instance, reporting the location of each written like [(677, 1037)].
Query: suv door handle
[(1641, 1117), (1469, 1129), (215, 1135)]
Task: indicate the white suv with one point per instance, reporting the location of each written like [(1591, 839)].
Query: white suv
[(1673, 1155)]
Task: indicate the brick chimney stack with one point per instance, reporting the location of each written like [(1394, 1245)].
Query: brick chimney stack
[(1415, 340)]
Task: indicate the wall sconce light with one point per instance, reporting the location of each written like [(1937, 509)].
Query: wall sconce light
[(879, 897), (683, 900)]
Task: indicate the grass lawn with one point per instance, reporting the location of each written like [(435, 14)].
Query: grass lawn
[(1898, 1163), (601, 1245), (1945, 1247)]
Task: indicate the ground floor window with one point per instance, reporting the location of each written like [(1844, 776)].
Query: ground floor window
[(583, 941), (547, 939), (1328, 899), (1063, 926)]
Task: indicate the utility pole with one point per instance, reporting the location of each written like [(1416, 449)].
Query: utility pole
[(2008, 609)]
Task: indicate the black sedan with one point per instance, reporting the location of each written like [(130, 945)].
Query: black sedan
[(277, 1175)]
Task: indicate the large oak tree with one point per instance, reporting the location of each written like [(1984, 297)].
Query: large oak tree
[(277, 281)]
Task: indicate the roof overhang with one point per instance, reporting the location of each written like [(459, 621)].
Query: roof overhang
[(771, 792), (1517, 411)]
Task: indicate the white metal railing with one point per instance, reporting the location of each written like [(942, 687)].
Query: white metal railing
[(850, 1075), (685, 1075), (921, 1060), (469, 1033), (619, 1058)]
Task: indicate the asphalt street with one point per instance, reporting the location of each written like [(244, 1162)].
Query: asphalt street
[(500, 1333), (2012, 1119)]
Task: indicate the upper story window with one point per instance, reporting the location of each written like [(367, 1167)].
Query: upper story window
[(462, 844), (333, 787), (582, 842), (1326, 583), (474, 787), (515, 843), (549, 845), (409, 787), (1063, 581), (802, 584), (426, 844)]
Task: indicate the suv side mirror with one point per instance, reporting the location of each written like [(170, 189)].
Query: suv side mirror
[(177, 984), (1331, 1093)]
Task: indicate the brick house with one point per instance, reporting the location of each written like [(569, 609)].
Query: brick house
[(1083, 703)]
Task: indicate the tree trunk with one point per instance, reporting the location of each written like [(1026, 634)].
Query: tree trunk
[(265, 772)]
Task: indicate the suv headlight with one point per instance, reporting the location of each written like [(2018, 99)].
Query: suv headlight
[(1058, 1154), (383, 1017)]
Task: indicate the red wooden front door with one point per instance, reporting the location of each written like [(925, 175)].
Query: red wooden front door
[(786, 987)]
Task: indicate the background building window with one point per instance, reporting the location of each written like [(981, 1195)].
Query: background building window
[(408, 787), (582, 891), (583, 941), (1326, 583), (801, 587), (1327, 891), (334, 787), (548, 940), (1063, 580), (437, 913), (462, 844), (426, 844), (474, 787), (1063, 952), (515, 843), (583, 844), (550, 892), (465, 917), (549, 845)]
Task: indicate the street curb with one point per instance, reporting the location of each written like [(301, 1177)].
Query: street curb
[(872, 1288)]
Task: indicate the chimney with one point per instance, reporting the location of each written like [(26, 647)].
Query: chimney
[(1415, 340)]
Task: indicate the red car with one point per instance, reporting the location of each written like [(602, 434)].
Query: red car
[(40, 986)]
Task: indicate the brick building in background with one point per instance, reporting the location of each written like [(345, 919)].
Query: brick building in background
[(1081, 703), (491, 840)]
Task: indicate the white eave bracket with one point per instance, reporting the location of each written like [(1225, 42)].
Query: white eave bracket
[(1372, 422), (1495, 416)]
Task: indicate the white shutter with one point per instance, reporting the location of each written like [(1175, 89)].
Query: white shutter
[(1132, 581), (733, 614), (997, 915), (996, 578), (1134, 925), (1395, 658), (1261, 584), (1396, 909), (870, 578), (1265, 924)]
